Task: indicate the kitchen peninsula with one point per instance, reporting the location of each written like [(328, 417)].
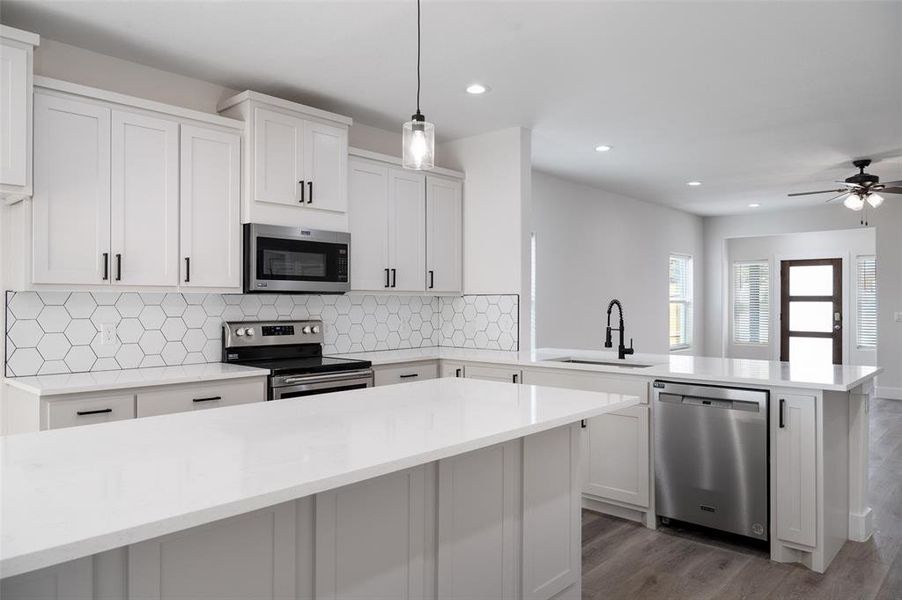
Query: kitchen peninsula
[(469, 488)]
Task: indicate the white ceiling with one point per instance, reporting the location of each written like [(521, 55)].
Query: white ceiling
[(753, 99)]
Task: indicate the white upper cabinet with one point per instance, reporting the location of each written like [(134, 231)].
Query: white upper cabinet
[(16, 58), (407, 230), (145, 200), (368, 219), (444, 216), (278, 158), (71, 218), (296, 162), (210, 201)]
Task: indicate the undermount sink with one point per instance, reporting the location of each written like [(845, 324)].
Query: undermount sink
[(608, 363)]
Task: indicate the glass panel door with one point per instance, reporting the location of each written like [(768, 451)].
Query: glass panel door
[(811, 310)]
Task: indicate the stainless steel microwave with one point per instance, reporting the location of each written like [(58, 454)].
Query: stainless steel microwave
[(296, 260)]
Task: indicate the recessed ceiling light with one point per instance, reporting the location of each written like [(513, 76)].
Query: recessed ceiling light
[(754, 205), (603, 148), (476, 89), (694, 183)]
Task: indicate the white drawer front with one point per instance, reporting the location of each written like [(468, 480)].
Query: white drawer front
[(87, 411), (200, 397), (591, 382), (405, 373)]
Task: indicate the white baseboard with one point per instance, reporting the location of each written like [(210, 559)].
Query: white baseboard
[(861, 526), (890, 393)]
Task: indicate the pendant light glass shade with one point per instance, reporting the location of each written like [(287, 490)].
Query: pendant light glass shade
[(854, 202), (419, 144), (875, 199)]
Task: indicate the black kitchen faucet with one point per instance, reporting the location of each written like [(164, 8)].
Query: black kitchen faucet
[(622, 350)]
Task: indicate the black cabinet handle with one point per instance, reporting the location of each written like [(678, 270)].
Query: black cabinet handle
[(106, 266), (515, 377), (431, 279), (458, 373), (118, 267), (387, 280), (100, 411), (582, 423), (210, 399), (409, 375), (782, 408), (187, 269), (303, 198), (394, 277), (310, 199)]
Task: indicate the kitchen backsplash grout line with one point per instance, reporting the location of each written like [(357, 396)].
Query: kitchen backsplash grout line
[(60, 332)]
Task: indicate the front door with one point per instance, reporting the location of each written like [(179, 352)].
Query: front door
[(811, 310)]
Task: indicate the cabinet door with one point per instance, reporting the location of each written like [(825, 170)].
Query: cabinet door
[(405, 373), (507, 375), (796, 464), (199, 397), (443, 234), (278, 160), (615, 456), (89, 411), (71, 228), (325, 172), (449, 369), (13, 115), (210, 225), (145, 200), (368, 221), (249, 556), (407, 230)]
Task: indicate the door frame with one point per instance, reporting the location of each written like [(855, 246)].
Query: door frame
[(836, 298)]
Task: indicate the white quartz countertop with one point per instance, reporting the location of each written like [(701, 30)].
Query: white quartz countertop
[(54, 385), (73, 492), (677, 366)]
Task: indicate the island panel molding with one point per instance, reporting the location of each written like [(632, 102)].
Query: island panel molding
[(63, 332)]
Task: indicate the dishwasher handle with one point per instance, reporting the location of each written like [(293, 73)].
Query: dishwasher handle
[(742, 405)]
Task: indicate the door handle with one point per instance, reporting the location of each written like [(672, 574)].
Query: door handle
[(394, 277), (118, 267), (106, 266), (301, 183), (310, 199), (187, 269), (431, 279), (387, 280), (782, 411)]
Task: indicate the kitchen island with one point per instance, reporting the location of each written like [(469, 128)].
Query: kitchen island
[(450, 487)]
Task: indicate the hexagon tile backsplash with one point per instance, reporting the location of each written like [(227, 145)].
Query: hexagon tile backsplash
[(61, 332)]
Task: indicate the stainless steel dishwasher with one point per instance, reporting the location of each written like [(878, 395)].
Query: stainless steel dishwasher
[(711, 458)]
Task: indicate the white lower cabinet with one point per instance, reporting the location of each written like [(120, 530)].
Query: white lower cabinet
[(616, 457), (796, 465), (248, 556), (199, 397), (73, 580), (505, 374), (450, 369), (406, 373), (373, 538), (89, 410)]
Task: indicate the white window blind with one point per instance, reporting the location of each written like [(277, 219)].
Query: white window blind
[(751, 302), (866, 317), (680, 301)]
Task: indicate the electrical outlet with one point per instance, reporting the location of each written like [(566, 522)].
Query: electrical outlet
[(107, 333), (898, 317)]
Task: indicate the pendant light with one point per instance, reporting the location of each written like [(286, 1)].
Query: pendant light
[(418, 135)]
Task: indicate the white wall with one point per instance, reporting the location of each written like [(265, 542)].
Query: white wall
[(846, 244), (593, 246), (887, 222)]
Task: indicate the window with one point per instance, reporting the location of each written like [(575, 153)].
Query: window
[(680, 301), (866, 315), (751, 302)]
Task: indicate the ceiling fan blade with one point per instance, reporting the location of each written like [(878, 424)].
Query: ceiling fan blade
[(891, 190), (818, 192), (851, 185), (843, 195), (890, 183)]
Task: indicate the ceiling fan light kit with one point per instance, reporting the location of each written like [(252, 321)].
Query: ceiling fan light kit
[(860, 190)]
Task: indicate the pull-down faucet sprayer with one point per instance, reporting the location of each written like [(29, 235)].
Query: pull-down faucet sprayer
[(622, 351)]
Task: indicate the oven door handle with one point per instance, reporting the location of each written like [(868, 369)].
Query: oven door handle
[(324, 378)]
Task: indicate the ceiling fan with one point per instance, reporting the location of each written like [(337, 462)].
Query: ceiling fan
[(860, 189)]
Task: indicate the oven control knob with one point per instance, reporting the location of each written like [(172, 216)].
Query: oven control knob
[(316, 329), (239, 331), (249, 331), (305, 330)]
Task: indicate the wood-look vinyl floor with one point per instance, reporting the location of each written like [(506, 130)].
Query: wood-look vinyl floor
[(623, 559)]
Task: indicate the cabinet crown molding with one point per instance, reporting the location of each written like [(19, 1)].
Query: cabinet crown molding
[(303, 109), (19, 35), (396, 161)]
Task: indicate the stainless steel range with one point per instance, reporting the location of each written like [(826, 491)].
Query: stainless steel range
[(292, 351)]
